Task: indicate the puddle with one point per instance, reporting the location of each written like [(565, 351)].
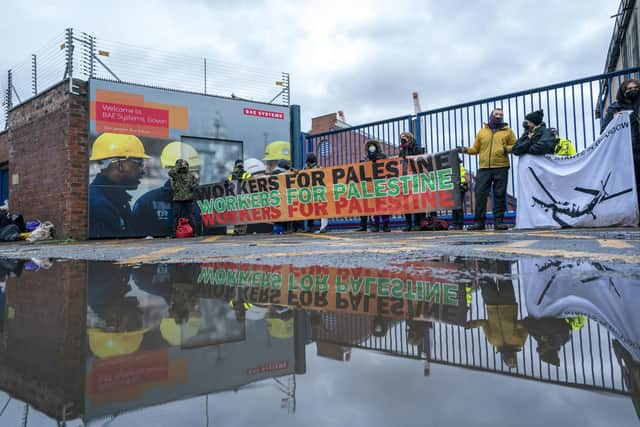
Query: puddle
[(97, 342)]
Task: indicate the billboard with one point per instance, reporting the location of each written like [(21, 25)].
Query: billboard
[(137, 132)]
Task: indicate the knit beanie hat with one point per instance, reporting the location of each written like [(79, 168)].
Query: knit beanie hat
[(535, 117)]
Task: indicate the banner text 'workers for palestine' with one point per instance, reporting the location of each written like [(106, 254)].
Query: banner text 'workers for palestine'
[(384, 187)]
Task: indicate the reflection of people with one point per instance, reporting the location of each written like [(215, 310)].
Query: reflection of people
[(551, 334), (502, 328), (121, 159), (153, 212), (493, 143), (630, 372), (184, 184)]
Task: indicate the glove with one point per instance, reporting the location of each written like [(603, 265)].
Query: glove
[(461, 149)]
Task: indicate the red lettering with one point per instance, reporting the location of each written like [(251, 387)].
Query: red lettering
[(354, 207), (244, 216)]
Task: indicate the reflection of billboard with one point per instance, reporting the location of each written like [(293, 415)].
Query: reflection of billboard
[(129, 130), (153, 377)]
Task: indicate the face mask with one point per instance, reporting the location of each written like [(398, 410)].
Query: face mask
[(525, 125), (372, 152), (632, 94)]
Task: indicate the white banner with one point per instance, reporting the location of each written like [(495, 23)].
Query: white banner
[(594, 188), (605, 292)]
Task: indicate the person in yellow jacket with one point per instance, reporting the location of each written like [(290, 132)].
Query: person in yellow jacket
[(502, 328), (564, 147), (493, 144)]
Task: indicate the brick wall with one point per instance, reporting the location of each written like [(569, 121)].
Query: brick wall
[(42, 347), (4, 147), (48, 159)]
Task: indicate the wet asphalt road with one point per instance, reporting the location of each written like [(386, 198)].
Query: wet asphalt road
[(349, 248)]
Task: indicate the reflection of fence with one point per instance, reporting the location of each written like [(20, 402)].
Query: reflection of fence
[(573, 107), (586, 361), (77, 55)]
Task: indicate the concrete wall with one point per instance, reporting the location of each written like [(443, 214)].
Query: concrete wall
[(48, 159)]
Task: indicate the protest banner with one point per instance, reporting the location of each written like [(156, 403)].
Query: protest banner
[(382, 187)]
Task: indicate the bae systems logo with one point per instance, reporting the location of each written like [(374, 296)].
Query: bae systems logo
[(263, 113)]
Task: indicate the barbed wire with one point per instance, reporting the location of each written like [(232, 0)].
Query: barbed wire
[(112, 60)]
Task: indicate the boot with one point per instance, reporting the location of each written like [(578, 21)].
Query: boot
[(476, 226), (386, 228), (499, 225), (375, 228), (362, 228), (407, 227)]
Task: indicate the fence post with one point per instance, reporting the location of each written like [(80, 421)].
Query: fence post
[(34, 74), (9, 90), (69, 57)]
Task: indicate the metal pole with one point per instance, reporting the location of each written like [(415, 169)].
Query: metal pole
[(9, 88), (205, 76), (69, 58), (34, 74)]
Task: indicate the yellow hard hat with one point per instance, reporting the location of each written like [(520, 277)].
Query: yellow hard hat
[(110, 344), (277, 150), (176, 334), (109, 145), (179, 150), (279, 328)]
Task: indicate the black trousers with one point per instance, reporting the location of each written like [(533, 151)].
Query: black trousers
[(415, 219), (183, 209), (458, 214), (487, 178)]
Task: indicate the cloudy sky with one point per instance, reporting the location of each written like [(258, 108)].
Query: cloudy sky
[(364, 58)]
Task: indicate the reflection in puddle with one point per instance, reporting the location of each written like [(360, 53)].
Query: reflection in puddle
[(93, 340)]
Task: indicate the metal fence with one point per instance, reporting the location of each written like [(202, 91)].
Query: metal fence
[(573, 107), (78, 55)]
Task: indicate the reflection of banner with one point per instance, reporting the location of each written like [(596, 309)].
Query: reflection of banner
[(594, 188), (603, 292), (384, 187), (399, 294)]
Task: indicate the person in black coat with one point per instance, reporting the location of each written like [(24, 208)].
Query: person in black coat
[(628, 99), (373, 150), (537, 138), (409, 147)]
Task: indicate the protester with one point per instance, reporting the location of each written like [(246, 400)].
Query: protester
[(373, 150), (409, 147), (536, 139), (628, 99), (238, 174), (312, 163), (563, 147), (121, 161), (184, 185), (153, 212), (493, 143), (458, 214)]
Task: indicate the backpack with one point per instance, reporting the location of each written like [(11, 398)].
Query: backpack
[(9, 233), (184, 229), (431, 223)]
